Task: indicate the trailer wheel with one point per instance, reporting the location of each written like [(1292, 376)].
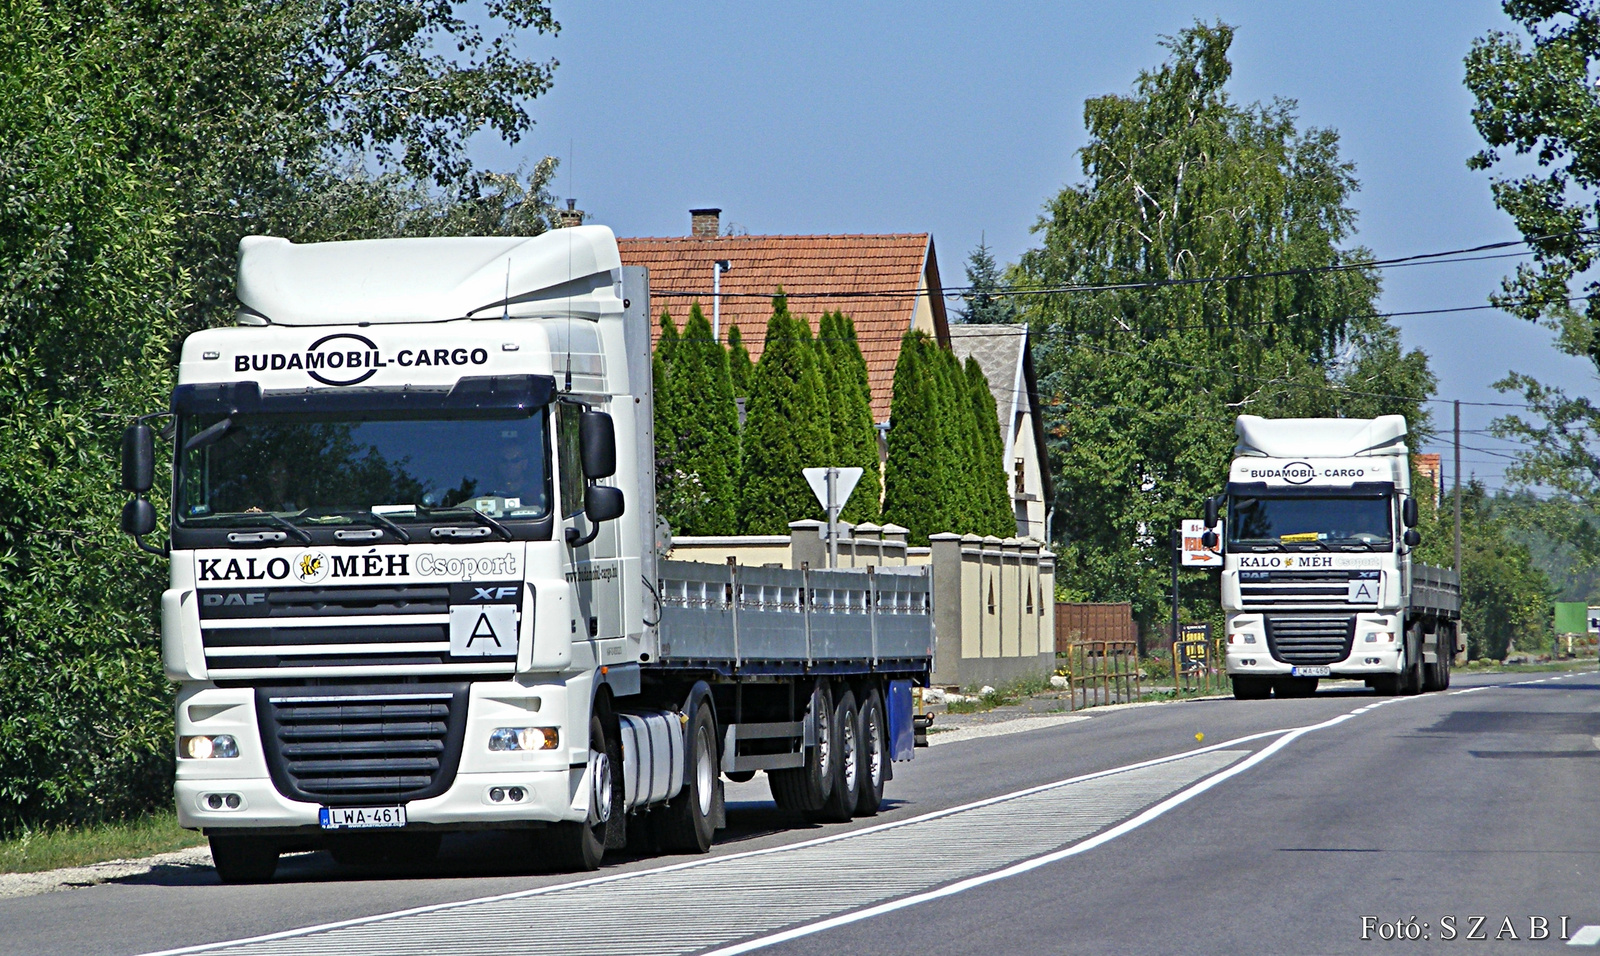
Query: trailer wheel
[(244, 859), (1251, 688), (805, 788), (841, 802), (579, 846), (874, 744), (1411, 679), (688, 822)]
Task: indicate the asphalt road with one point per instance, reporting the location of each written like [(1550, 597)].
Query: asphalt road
[(1295, 826)]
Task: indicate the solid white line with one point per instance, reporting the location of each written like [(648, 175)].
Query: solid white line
[(707, 861), (1177, 799), (1587, 936)]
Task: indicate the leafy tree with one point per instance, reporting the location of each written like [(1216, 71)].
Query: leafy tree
[(1142, 383), (786, 428), (705, 434), (986, 284), (141, 142), (855, 438), (739, 364), (1537, 99)]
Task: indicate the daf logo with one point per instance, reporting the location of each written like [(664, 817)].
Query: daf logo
[(234, 599), (1298, 472)]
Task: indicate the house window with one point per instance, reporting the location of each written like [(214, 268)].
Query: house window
[(1020, 476)]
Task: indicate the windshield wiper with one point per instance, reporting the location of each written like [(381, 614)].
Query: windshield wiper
[(479, 517), (289, 526), (378, 519)]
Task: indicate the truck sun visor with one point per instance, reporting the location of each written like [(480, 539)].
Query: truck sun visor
[(1359, 489), (471, 393)]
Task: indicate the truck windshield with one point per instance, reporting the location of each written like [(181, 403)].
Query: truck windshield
[(405, 467), (1328, 521)]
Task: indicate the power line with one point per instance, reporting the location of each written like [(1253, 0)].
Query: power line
[(1424, 258)]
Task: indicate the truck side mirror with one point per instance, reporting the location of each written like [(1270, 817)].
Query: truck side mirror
[(1211, 515), (1412, 537), (603, 503), (138, 460), (138, 517), (597, 439), (1408, 512)]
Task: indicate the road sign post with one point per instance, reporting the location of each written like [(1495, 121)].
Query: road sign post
[(832, 486)]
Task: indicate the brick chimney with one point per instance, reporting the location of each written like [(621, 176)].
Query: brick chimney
[(705, 223), (572, 215)]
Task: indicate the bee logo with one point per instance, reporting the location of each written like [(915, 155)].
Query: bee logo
[(311, 567)]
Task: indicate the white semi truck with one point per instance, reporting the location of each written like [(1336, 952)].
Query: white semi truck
[(1318, 578), (416, 580)]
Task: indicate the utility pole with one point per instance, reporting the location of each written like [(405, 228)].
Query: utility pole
[(1457, 404), (1177, 548)]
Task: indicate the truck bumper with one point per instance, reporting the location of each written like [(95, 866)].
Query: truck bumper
[(1377, 649), (552, 781)]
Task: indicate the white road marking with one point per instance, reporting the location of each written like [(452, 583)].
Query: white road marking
[(1003, 728), (1587, 936)]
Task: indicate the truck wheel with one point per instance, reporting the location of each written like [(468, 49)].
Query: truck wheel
[(1296, 686), (579, 846), (688, 822), (1386, 685), (1250, 688), (1411, 678), (1433, 674), (841, 802), (244, 859), (874, 743), (805, 788)]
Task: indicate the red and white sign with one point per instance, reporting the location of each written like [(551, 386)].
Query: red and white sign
[(1195, 554)]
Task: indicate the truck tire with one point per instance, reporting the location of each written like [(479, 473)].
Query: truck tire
[(1411, 678), (840, 804), (580, 845), (1433, 674), (688, 822), (803, 789), (874, 743), (1295, 686), (1251, 688), (244, 859)]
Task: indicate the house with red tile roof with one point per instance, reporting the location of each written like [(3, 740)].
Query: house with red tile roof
[(887, 284)]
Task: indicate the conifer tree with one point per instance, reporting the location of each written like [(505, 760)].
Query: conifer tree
[(666, 421), (914, 479), (705, 434), (996, 515), (739, 364), (855, 439), (785, 428)]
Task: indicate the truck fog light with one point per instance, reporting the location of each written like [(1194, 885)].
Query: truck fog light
[(206, 747), (497, 794), (232, 800), (525, 738), (516, 794), (214, 801)]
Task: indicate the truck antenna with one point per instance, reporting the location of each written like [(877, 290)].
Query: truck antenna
[(505, 303)]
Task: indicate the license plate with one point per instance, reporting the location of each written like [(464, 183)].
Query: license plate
[(361, 818), (1310, 671)]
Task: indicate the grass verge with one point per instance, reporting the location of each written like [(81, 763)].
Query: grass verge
[(35, 850)]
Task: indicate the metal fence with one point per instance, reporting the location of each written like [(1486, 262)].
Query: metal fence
[(1099, 672), (1077, 623), (1197, 667)]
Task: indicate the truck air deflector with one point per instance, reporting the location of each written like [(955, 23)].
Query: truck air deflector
[(477, 393)]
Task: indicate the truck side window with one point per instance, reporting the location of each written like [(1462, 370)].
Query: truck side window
[(571, 461)]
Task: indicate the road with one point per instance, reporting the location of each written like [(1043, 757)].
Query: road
[(1294, 826)]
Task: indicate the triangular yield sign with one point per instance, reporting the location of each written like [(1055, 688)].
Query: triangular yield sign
[(844, 483)]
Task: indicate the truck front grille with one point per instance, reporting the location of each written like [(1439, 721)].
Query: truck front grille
[(1265, 590), (1310, 638), (347, 745), (266, 633)]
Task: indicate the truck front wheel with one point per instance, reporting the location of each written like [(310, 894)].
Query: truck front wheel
[(579, 846), (1251, 688), (244, 859)]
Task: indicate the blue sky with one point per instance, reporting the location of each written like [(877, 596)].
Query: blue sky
[(962, 119)]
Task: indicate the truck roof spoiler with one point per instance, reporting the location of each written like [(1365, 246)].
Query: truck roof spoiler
[(490, 393)]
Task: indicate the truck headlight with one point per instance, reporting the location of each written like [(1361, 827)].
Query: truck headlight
[(208, 746), (525, 738), (1376, 637)]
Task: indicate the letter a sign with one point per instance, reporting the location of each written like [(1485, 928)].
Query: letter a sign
[(483, 631)]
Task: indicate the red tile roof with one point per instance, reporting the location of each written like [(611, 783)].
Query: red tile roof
[(819, 273)]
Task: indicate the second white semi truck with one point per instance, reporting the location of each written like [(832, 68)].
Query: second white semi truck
[(416, 585), (1318, 577)]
